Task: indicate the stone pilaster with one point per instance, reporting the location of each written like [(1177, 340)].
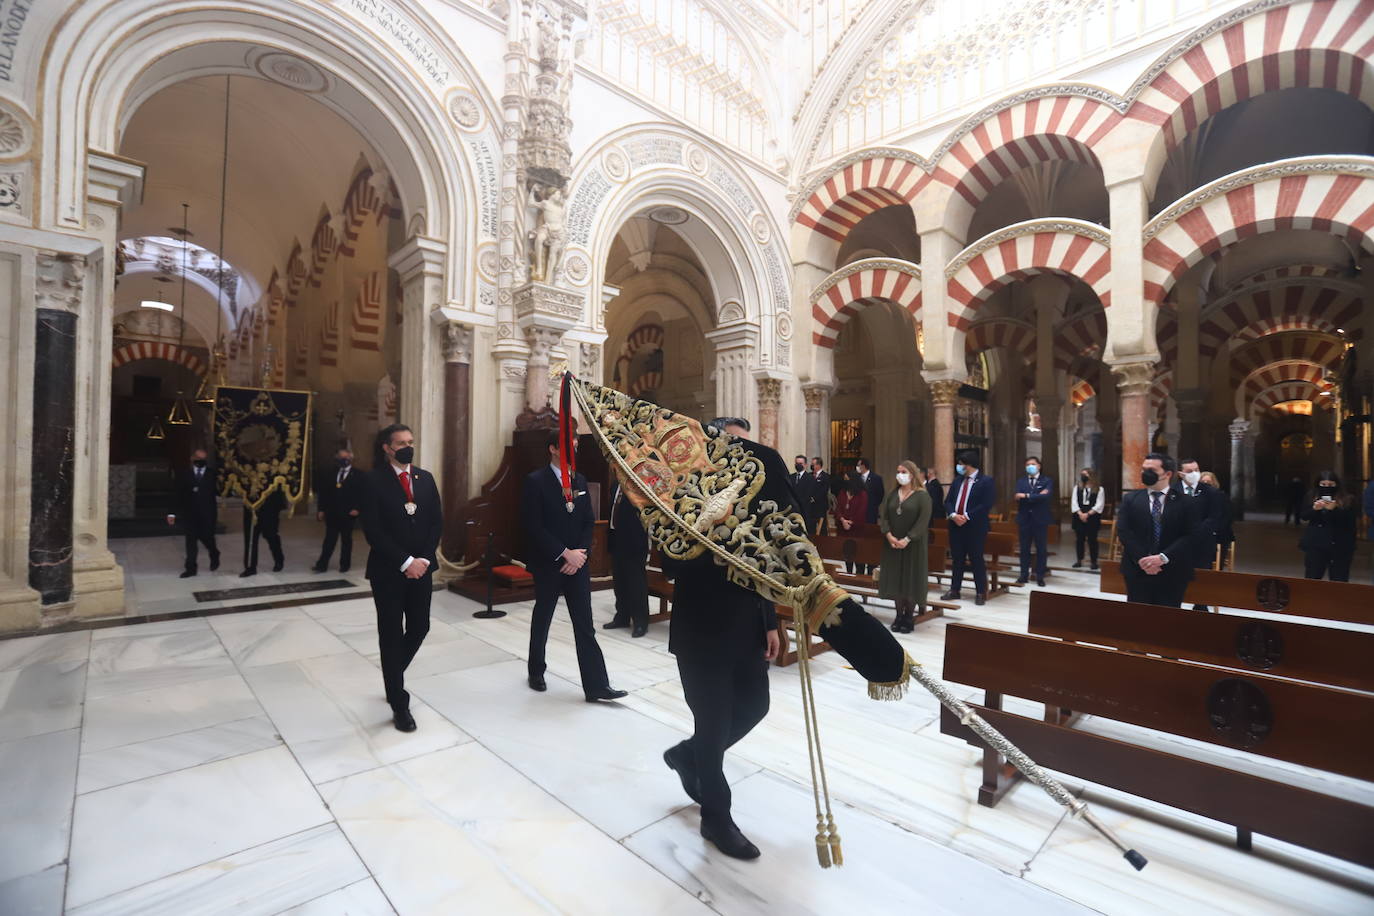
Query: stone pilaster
[(1133, 382), (457, 346), (736, 353), (770, 401), (420, 265), (817, 399)]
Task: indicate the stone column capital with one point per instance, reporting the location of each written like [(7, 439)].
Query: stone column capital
[(770, 391), (419, 256), (815, 394), (944, 392), (1238, 429), (1134, 378), (457, 342)]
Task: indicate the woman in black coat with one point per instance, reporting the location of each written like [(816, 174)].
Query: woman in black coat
[(1329, 539)]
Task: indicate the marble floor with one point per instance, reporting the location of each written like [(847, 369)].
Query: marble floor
[(246, 764)]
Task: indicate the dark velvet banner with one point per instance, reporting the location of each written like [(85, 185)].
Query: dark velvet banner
[(262, 438)]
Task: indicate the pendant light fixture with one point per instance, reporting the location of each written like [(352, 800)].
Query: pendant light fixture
[(215, 377), (155, 428), (180, 414)]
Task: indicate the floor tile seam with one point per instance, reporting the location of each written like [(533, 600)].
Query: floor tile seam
[(76, 778), (190, 766), (55, 731), (335, 891)]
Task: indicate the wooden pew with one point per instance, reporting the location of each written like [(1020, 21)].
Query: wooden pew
[(787, 653), (1307, 724), (868, 551), (998, 545), (1348, 602), (1324, 655)]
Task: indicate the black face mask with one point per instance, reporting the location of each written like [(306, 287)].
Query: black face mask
[(344, 462), (405, 455), (800, 468), (1083, 477), (1326, 490), (1149, 477), (199, 462)]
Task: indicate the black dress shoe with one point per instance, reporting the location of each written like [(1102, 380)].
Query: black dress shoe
[(615, 624), (680, 761), (729, 840), (1078, 565), (276, 567), (248, 572), (1019, 582), (214, 561), (404, 721), (980, 600), (639, 630), (186, 574), (950, 596), (343, 569), (537, 683), (1094, 568), (319, 569), (606, 693), (1040, 582)]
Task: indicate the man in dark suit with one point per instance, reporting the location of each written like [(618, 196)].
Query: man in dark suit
[(1158, 529), (629, 546), (264, 525), (937, 494), (558, 541), (873, 486), (340, 499), (723, 636), (1034, 499), (1216, 514), (403, 521), (197, 509), (967, 506), (817, 503), (802, 481)]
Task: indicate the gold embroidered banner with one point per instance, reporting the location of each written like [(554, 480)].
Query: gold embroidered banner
[(262, 437)]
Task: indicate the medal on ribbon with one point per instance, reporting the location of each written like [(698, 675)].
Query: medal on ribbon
[(410, 508)]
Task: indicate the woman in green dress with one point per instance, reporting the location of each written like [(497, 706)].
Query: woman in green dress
[(904, 519)]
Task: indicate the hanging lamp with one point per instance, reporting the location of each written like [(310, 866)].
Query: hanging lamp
[(180, 414), (155, 429), (215, 377)]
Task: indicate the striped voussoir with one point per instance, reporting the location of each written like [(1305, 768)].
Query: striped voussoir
[(1022, 255), (363, 200), (367, 312), (1313, 195), (858, 189), (1160, 390), (1282, 393), (1012, 333), (641, 338), (1082, 392), (144, 349), (1274, 309), (854, 287), (1322, 45), (1082, 336), (1253, 356)]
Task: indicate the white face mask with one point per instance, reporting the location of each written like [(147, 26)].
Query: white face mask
[(904, 479), (1192, 477)]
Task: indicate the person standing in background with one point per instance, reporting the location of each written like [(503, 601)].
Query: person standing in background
[(197, 508), (937, 495), (904, 519), (265, 524), (873, 485), (1034, 501), (338, 504), (1088, 501), (1158, 527), (802, 482), (968, 505), (818, 505), (1225, 534), (851, 513), (1294, 492), (629, 546), (1329, 539)]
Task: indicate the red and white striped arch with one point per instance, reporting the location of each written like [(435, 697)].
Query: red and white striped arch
[(1160, 390), (1021, 251), (838, 202), (855, 286), (1335, 196), (1316, 45), (1283, 393), (366, 332), (361, 201), (1281, 373), (171, 353), (1011, 333), (648, 381), (324, 245), (641, 338), (1284, 348), (1275, 309), (1054, 128), (1085, 335), (1082, 392)]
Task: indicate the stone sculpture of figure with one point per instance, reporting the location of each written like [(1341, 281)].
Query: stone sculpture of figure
[(548, 233), (386, 400), (548, 40)]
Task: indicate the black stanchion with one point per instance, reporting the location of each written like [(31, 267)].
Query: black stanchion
[(489, 561)]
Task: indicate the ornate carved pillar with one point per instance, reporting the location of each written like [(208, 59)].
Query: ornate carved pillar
[(817, 398), (1133, 382), (420, 265), (457, 342), (544, 314), (770, 400), (736, 346), (944, 394)]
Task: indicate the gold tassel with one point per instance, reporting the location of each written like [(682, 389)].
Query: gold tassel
[(822, 844), (836, 853), (892, 690)]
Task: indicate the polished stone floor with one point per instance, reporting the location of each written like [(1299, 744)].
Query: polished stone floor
[(246, 764)]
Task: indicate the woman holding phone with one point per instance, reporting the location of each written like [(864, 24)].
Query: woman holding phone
[(1329, 540)]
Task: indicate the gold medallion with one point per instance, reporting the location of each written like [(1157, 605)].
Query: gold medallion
[(410, 508)]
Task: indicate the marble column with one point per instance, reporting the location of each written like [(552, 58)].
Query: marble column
[(817, 398), (1192, 411), (54, 462), (419, 263), (457, 343), (770, 401), (1051, 408), (736, 350), (1050, 294), (1133, 382), (888, 442), (944, 394)]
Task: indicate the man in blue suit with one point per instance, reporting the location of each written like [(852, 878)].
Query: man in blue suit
[(1034, 497), (967, 505)]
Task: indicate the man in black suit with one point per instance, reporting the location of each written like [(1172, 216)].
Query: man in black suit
[(1158, 527), (1034, 503), (339, 501), (629, 546), (873, 484), (559, 540), (967, 506), (266, 526), (817, 506), (1216, 514), (197, 509), (937, 494), (402, 520), (723, 636), (802, 482)]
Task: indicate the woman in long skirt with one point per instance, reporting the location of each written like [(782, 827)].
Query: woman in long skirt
[(904, 519)]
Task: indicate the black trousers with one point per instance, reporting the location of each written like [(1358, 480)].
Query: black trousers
[(631, 588), (727, 701), (266, 528), (1321, 561), (340, 530), (402, 624), (1166, 591), (965, 550), (1086, 533), (576, 590), (199, 533), (1036, 533)]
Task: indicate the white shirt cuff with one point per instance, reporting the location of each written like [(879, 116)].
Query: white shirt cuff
[(406, 564)]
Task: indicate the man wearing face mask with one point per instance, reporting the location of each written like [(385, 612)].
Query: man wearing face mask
[(802, 482), (818, 501), (1215, 510), (1158, 527), (1034, 495), (967, 504), (402, 520), (197, 510), (340, 500)]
